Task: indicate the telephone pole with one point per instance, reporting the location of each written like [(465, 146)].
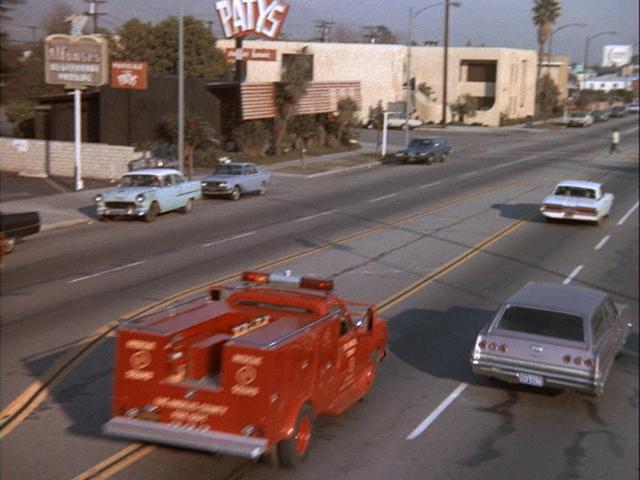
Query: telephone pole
[(323, 29), (93, 12)]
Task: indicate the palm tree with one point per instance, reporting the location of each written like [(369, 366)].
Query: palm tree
[(545, 14)]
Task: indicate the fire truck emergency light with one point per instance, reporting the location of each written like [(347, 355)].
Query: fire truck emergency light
[(302, 282)]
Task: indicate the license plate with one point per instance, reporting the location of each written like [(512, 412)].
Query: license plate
[(118, 211), (569, 213), (529, 379)]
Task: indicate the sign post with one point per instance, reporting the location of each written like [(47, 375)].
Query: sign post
[(76, 62)]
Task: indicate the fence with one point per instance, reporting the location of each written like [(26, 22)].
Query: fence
[(57, 159)]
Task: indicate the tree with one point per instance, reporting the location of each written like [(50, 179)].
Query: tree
[(157, 45), (547, 96), (291, 88), (197, 134), (54, 21), (545, 14), (346, 119), (425, 90), (466, 105), (252, 138), (5, 7), (344, 34)]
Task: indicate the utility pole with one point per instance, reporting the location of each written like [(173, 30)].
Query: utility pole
[(323, 29), (93, 12), (445, 64), (181, 85)]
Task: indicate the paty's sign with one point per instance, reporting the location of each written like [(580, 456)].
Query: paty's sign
[(263, 18)]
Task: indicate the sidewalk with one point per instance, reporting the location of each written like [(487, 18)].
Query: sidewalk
[(67, 209)]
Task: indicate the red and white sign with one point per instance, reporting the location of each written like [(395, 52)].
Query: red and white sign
[(129, 75), (255, 54), (263, 18)]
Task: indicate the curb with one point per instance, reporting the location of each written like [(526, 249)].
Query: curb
[(66, 223)]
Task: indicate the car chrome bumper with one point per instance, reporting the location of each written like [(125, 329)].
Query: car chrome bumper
[(122, 212), (216, 191), (564, 216), (209, 441), (553, 377)]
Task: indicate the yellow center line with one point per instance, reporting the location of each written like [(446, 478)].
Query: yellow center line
[(117, 462), (32, 397)]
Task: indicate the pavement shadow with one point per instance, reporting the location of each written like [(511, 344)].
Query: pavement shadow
[(439, 343), (518, 211), (84, 394)]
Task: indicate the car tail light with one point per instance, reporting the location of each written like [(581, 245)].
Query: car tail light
[(588, 211), (577, 360), (503, 348), (552, 207), (589, 363), (492, 346), (566, 359), (482, 344)]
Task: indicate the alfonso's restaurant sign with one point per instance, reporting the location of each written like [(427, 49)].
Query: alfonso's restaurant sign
[(76, 62), (263, 18)]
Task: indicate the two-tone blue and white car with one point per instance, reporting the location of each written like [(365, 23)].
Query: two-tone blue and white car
[(235, 179), (148, 193)]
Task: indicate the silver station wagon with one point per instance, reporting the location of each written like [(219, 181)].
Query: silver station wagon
[(552, 335)]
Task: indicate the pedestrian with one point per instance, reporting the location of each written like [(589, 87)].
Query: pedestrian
[(615, 140)]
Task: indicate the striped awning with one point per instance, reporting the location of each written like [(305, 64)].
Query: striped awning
[(258, 98)]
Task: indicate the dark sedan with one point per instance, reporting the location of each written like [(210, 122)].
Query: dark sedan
[(552, 335), (425, 150), (600, 115), (16, 225)]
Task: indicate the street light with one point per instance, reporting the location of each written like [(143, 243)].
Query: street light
[(413, 15), (561, 27), (446, 60), (586, 47)]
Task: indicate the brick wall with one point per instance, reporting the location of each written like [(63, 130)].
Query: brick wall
[(54, 158)]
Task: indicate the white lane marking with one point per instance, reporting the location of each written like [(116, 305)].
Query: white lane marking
[(602, 242), (382, 198), (236, 237), (631, 130), (627, 215), (129, 265), (431, 184), (436, 413), (573, 274), (304, 219), (468, 174)]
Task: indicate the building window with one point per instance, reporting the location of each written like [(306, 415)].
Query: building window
[(485, 103), (480, 71), (288, 60)]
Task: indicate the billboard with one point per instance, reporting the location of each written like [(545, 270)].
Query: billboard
[(262, 18), (76, 62), (616, 55)]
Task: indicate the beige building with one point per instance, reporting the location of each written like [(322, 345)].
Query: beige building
[(501, 79), (557, 66)]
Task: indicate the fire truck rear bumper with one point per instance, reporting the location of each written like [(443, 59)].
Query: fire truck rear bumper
[(210, 441)]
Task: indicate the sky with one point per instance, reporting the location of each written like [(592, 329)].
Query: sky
[(502, 23)]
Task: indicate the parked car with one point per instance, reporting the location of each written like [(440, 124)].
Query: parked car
[(579, 119), (16, 225), (633, 108), (425, 150), (147, 193), (399, 121), (600, 115), (235, 179), (577, 200), (618, 112), (552, 335)]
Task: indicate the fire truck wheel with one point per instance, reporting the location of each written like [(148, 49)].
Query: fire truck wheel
[(293, 451)]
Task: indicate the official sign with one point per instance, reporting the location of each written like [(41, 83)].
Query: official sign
[(263, 18), (616, 55), (129, 75), (76, 62), (256, 54)]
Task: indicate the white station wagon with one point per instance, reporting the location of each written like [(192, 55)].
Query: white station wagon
[(577, 200)]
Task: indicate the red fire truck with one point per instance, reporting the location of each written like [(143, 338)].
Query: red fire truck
[(245, 370)]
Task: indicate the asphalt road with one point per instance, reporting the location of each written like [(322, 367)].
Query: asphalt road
[(62, 285)]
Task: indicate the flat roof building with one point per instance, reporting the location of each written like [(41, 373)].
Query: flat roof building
[(502, 80)]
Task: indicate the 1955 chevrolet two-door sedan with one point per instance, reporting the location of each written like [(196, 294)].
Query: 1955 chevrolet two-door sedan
[(552, 335), (147, 193)]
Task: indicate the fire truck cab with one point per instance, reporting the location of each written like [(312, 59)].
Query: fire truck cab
[(245, 370)]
